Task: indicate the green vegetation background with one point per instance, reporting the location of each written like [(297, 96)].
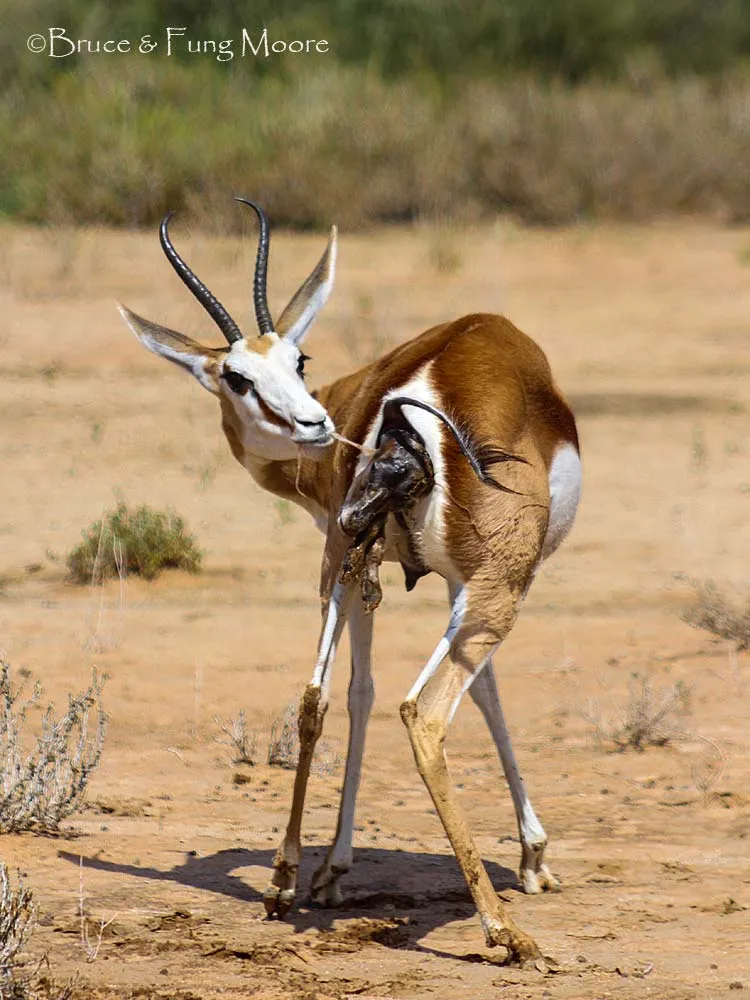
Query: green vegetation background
[(556, 110)]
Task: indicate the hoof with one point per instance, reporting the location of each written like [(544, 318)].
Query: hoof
[(541, 880), (535, 876), (328, 896), (271, 900), (522, 949), (278, 902), (325, 890)]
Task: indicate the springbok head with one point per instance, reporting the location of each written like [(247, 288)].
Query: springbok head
[(260, 377)]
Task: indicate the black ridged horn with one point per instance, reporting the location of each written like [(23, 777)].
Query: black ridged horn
[(262, 313), (210, 303)]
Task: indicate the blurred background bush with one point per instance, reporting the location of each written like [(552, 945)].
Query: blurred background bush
[(554, 110)]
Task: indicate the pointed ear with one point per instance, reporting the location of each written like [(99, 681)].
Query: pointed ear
[(203, 362), (310, 297)]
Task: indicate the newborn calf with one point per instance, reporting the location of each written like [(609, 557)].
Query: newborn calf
[(396, 476)]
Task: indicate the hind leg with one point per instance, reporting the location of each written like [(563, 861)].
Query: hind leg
[(534, 873), (427, 711)]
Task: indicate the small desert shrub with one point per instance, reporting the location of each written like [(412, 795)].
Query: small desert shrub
[(17, 919), (719, 615), (16, 923), (239, 739), (283, 745), (142, 541), (650, 717), (43, 781)]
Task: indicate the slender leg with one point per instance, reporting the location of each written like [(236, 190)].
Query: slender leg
[(426, 713), (535, 875), (325, 884), (279, 895)]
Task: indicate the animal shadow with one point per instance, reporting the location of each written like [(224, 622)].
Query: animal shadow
[(428, 889)]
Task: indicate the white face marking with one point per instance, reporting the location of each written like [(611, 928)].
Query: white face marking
[(564, 494), (429, 513), (276, 412)]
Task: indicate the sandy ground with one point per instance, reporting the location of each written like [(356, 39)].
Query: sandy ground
[(647, 332)]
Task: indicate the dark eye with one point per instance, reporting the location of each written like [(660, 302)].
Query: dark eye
[(237, 383), (301, 364)]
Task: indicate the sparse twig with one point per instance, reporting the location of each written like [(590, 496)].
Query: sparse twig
[(97, 640), (90, 945)]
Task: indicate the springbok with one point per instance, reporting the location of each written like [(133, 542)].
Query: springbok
[(435, 413)]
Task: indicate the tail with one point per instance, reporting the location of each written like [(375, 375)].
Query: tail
[(479, 457)]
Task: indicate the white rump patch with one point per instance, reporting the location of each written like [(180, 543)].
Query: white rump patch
[(564, 494)]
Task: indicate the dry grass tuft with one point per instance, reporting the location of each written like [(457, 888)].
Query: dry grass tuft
[(707, 770), (42, 785), (651, 717), (444, 251), (717, 613)]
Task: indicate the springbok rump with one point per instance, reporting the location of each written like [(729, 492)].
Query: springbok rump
[(455, 453)]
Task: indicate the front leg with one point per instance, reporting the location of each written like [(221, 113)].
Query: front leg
[(279, 895), (325, 889)]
